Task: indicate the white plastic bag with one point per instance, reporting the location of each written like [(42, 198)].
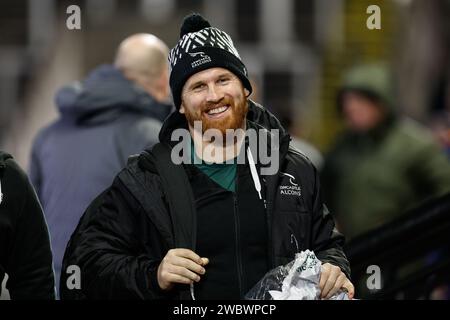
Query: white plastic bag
[(297, 280)]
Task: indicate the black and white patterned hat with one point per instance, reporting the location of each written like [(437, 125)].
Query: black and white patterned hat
[(202, 47)]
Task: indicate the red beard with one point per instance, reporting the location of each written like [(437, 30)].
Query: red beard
[(234, 120)]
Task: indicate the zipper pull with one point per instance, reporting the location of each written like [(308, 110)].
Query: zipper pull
[(293, 238), (191, 289)]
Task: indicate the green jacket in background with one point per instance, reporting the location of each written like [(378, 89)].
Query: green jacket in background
[(371, 178)]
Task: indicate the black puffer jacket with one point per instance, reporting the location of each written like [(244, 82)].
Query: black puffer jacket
[(127, 230), (25, 253)]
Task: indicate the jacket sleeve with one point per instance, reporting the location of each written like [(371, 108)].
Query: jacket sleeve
[(29, 263), (431, 170), (327, 241), (109, 253)]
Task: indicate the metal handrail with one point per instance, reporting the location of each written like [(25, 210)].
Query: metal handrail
[(410, 237)]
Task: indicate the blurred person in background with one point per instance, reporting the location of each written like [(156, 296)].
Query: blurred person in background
[(382, 164), (115, 112), (25, 254)]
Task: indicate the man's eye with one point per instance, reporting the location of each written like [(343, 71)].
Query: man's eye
[(224, 80), (198, 87)]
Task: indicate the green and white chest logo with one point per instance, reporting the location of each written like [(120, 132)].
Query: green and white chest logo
[(291, 189)]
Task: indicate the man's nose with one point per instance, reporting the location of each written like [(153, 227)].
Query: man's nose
[(214, 94)]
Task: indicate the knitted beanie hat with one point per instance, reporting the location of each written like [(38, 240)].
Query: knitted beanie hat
[(202, 47)]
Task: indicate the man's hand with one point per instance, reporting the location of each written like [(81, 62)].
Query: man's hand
[(332, 279), (180, 266)]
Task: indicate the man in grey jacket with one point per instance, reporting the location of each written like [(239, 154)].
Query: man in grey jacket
[(115, 112)]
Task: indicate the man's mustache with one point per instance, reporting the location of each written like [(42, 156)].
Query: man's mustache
[(213, 105)]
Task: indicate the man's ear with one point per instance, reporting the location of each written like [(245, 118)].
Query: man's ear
[(181, 109), (246, 92)]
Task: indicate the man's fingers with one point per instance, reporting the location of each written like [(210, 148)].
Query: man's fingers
[(180, 266), (186, 253), (350, 288), (188, 264), (175, 270), (324, 274), (329, 284), (181, 271), (332, 280), (337, 285), (166, 279), (176, 278)]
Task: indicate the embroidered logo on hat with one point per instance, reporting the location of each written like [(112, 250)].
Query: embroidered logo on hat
[(194, 54), (204, 58)]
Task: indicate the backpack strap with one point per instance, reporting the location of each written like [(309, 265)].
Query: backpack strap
[(178, 191)]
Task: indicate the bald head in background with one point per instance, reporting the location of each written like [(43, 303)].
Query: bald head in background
[(142, 58)]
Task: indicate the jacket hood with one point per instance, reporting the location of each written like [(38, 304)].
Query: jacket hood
[(103, 94), (374, 80), (256, 115), (3, 157)]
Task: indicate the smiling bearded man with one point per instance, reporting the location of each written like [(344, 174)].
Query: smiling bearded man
[(206, 229), (217, 98)]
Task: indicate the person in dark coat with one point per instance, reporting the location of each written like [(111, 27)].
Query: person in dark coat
[(25, 254), (216, 233), (115, 112)]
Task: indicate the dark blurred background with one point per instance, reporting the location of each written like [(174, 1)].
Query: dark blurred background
[(296, 51)]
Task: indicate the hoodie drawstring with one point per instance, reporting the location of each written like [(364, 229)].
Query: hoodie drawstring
[(254, 173), (191, 289)]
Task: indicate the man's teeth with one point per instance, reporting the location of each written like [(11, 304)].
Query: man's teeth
[(218, 110)]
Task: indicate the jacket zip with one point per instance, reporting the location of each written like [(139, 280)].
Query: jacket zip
[(269, 214), (237, 231), (238, 245), (267, 208)]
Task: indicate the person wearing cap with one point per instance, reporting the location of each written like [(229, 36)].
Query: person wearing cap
[(135, 242), (383, 164)]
